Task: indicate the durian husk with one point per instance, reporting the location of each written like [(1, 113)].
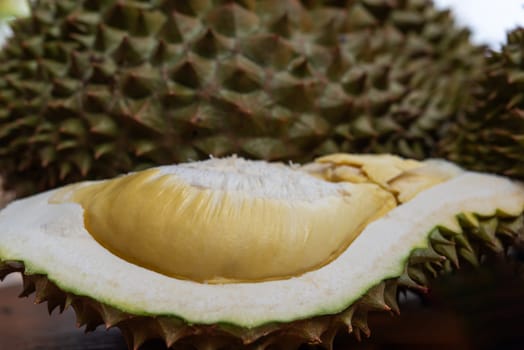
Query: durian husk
[(93, 89), (479, 239), (490, 136)]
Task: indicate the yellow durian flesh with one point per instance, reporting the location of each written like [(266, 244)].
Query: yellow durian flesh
[(228, 220), (232, 220), (405, 178), (378, 168)]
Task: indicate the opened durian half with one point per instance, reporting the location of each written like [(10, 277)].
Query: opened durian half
[(233, 253)]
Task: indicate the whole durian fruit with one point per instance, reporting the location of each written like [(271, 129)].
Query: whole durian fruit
[(94, 88), (490, 136)]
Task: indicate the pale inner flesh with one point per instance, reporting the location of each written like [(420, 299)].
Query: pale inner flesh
[(227, 220)]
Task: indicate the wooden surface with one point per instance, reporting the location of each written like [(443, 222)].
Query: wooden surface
[(26, 326), (463, 312)]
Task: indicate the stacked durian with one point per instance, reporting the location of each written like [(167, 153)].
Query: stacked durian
[(91, 89), (490, 136)]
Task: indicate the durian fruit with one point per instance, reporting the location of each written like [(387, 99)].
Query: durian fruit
[(490, 137), (92, 89), (235, 254)]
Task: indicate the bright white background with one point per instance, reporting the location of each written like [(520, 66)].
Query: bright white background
[(489, 20)]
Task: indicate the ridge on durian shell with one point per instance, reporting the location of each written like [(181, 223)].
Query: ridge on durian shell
[(489, 136), (92, 96), (480, 238)]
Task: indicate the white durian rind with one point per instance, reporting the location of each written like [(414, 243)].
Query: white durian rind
[(50, 240)]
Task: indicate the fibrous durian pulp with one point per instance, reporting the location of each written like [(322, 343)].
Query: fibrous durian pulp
[(75, 246), (91, 89)]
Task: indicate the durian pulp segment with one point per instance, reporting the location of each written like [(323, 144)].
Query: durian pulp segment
[(231, 220), (378, 168), (405, 178), (228, 220)]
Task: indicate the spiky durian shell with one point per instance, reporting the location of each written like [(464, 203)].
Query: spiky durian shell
[(481, 238), (490, 136), (96, 88)]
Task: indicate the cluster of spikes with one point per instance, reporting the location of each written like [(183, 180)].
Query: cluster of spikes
[(92, 89), (479, 239), (490, 136)]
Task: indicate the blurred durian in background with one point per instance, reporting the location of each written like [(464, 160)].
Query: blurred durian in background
[(92, 89)]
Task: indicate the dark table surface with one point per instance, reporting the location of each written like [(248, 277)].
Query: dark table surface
[(26, 326), (459, 314)]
